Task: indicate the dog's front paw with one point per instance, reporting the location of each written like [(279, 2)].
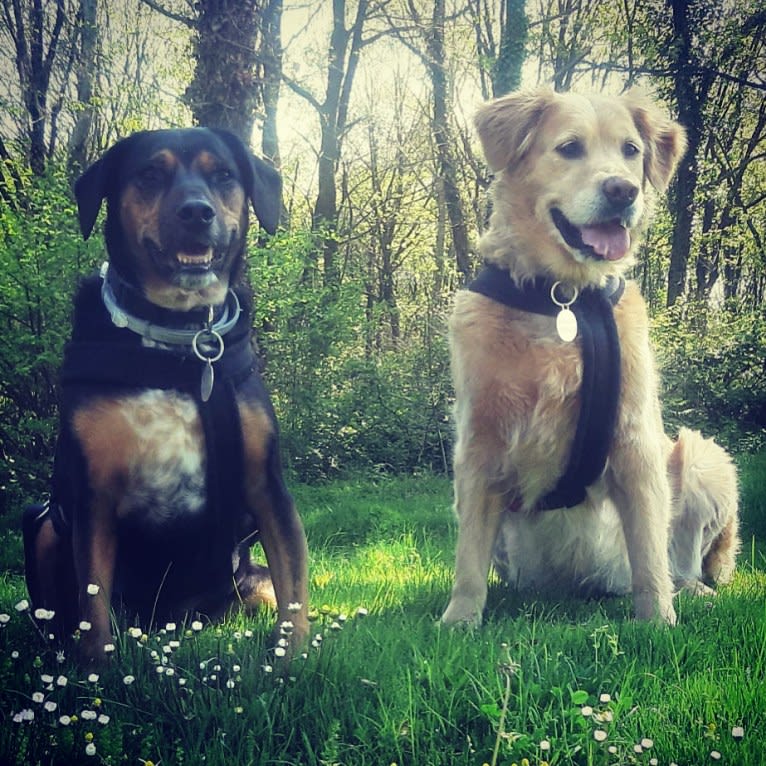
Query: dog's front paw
[(696, 588), (462, 612), (95, 647), (650, 606), (286, 641)]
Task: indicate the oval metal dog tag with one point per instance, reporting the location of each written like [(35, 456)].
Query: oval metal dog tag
[(206, 384), (566, 325)]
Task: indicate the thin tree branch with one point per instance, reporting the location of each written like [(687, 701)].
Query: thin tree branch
[(189, 21)]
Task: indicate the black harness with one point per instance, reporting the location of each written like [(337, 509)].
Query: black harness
[(600, 391), (103, 358)]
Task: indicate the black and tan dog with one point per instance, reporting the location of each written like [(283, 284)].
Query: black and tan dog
[(167, 467)]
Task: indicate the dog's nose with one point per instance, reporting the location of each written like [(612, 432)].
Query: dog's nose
[(196, 212), (619, 192)]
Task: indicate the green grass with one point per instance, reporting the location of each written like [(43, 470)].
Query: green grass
[(392, 686)]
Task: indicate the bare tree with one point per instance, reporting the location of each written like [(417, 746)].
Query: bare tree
[(43, 57), (424, 36), (344, 49), (86, 75), (394, 201), (225, 91), (567, 34), (693, 70), (735, 146)]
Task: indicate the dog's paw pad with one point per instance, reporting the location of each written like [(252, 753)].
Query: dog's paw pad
[(697, 588), (456, 617)]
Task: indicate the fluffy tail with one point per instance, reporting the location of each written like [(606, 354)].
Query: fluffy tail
[(705, 534)]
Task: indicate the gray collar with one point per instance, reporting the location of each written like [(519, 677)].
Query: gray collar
[(167, 335)]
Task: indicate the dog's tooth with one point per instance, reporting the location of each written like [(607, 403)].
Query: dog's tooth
[(185, 258)]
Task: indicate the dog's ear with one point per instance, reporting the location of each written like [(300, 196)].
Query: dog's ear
[(506, 126), (664, 139), (99, 181), (266, 193), (263, 184), (89, 190)]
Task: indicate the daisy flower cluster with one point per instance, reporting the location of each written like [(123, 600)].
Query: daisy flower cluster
[(614, 748), (641, 751), (601, 717), (593, 728), (57, 698), (173, 664)]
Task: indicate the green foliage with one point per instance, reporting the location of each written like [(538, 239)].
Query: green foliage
[(752, 481), (560, 681), (349, 395), (41, 256), (342, 403), (713, 371)]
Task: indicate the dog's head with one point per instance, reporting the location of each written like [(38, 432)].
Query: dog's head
[(573, 180), (177, 210)]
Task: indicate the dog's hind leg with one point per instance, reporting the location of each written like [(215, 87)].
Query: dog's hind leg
[(478, 513), (49, 569), (705, 527), (253, 584), (720, 561)]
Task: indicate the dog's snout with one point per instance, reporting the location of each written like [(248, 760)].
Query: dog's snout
[(619, 192), (196, 212)]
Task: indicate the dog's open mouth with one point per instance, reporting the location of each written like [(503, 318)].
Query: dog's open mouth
[(195, 260), (192, 266), (191, 257), (608, 241)]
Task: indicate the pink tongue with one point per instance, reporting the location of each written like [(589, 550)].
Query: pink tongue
[(609, 240)]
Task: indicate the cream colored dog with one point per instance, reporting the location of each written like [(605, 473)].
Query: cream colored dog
[(574, 179)]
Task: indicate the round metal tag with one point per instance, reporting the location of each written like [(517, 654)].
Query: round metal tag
[(566, 325)]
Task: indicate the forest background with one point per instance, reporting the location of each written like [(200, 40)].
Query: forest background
[(366, 107)]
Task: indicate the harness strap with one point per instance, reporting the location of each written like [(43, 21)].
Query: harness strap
[(131, 366), (600, 389), (103, 357)]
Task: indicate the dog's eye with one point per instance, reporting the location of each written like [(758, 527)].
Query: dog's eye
[(571, 150), (222, 176), (151, 177), (629, 149)]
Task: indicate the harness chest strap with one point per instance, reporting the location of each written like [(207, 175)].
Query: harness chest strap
[(104, 355), (599, 345)]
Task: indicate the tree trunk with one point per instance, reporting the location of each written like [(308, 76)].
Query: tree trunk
[(271, 55), (689, 94), (446, 163), (682, 208), (225, 90), (86, 71), (506, 72), (345, 45)]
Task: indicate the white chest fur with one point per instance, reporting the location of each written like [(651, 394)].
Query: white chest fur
[(146, 451)]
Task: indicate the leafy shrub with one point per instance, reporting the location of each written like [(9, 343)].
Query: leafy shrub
[(341, 405), (41, 256), (714, 372), (752, 480)]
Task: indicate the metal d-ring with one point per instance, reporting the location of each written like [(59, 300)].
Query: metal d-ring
[(211, 335), (563, 304)]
